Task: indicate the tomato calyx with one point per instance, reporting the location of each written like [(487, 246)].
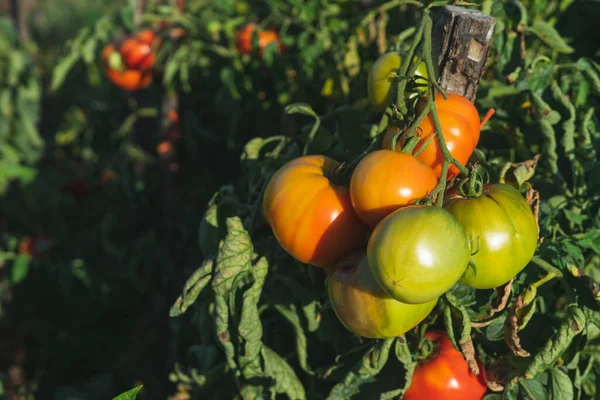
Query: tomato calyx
[(474, 184)]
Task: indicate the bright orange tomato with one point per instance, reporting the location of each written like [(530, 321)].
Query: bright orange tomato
[(312, 218), (147, 36), (386, 180), (446, 375), (130, 79), (460, 125), (244, 39)]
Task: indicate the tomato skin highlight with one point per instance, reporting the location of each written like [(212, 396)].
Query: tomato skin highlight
[(380, 79), (386, 180), (363, 307), (446, 375), (502, 233), (417, 253), (312, 218), (460, 124)]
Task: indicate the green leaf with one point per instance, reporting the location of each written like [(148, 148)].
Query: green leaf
[(290, 313), (193, 286), (301, 108), (591, 240), (363, 372), (532, 389), (550, 36), (561, 385), (208, 233), (130, 394), (20, 268), (62, 69), (234, 257), (572, 326), (285, 378)]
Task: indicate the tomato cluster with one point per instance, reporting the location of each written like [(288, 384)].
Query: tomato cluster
[(129, 64), (388, 251), (243, 41)]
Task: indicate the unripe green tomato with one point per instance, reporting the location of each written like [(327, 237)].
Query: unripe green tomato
[(213, 27), (417, 253), (380, 83), (502, 234), (363, 307), (115, 61)]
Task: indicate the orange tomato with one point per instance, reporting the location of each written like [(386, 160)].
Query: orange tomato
[(312, 218), (147, 36), (446, 375), (460, 124), (137, 51), (130, 79), (244, 39), (386, 180)]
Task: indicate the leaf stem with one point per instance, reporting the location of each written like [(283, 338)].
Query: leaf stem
[(546, 266)]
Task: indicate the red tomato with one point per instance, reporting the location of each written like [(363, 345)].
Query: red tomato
[(446, 376), (137, 54), (244, 39), (311, 217), (37, 247), (461, 128), (147, 36), (386, 180)]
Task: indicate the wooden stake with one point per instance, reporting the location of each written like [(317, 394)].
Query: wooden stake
[(461, 44)]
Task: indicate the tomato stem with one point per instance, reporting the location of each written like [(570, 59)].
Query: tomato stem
[(546, 266), (487, 117)]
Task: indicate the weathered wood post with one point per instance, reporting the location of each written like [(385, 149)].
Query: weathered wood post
[(460, 46)]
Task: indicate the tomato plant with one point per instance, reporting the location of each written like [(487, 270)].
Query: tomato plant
[(311, 218), (461, 128), (445, 375), (417, 253), (386, 180), (363, 307), (137, 51), (502, 234)]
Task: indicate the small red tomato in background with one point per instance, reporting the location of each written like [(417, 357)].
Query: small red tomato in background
[(36, 246), (77, 187), (244, 39), (446, 376)]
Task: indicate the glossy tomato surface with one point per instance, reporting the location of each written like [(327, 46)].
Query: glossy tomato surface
[(502, 233), (363, 307), (380, 83), (460, 122), (137, 54), (417, 253), (311, 217), (386, 180), (446, 376), (244, 39)]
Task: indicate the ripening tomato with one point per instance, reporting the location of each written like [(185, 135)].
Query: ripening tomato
[(363, 307), (446, 375), (460, 124), (417, 253), (243, 40), (311, 217), (137, 53), (380, 79), (130, 79), (502, 233), (386, 180), (146, 36)]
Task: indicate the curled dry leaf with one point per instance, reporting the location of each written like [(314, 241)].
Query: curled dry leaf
[(533, 199), (469, 353), (589, 283), (518, 173), (496, 376), (503, 293), (518, 316)]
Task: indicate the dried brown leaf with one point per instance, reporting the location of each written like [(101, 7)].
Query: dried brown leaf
[(469, 353), (511, 329)]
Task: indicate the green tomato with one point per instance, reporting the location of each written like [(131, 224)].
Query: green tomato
[(364, 308), (502, 233), (380, 83), (417, 253)]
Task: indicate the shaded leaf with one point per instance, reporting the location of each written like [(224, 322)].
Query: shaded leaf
[(130, 394), (550, 36)]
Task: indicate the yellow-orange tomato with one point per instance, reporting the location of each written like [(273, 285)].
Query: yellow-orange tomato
[(363, 307), (460, 124), (311, 217), (386, 180)]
